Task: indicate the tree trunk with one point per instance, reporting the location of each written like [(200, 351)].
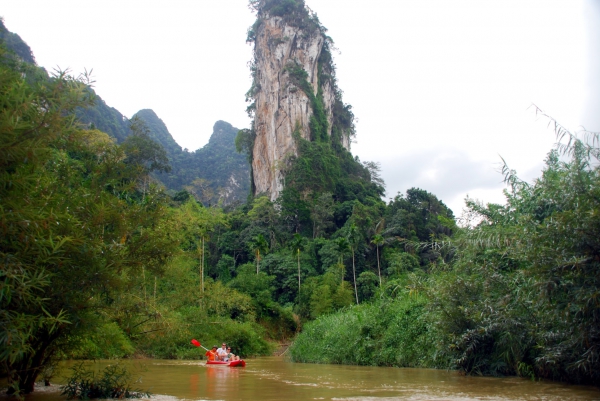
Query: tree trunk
[(298, 273), (378, 268), (26, 372), (144, 283), (354, 273), (202, 268)]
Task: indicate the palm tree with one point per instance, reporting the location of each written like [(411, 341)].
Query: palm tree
[(380, 237), (377, 241), (257, 244), (297, 243), (353, 238), (343, 246)]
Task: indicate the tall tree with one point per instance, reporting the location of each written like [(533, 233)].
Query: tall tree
[(343, 246), (353, 237), (296, 244), (321, 213), (378, 240), (258, 244), (73, 229)]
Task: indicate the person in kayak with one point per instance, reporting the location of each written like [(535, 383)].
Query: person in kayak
[(222, 352), (230, 356), (211, 354)]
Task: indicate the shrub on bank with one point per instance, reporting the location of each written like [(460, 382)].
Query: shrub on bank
[(115, 381), (107, 341), (245, 338), (388, 332)]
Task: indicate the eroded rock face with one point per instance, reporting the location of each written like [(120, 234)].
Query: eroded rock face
[(281, 106), (229, 193)]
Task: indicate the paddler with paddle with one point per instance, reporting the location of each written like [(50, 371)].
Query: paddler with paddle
[(213, 357), (212, 354)]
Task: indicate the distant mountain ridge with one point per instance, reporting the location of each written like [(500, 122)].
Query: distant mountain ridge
[(158, 130), (215, 173), (16, 44)]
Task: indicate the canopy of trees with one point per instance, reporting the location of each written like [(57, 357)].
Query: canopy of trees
[(514, 291)]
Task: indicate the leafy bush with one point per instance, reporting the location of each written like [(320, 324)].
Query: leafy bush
[(113, 382), (390, 332), (367, 285), (106, 342), (220, 300), (247, 338)]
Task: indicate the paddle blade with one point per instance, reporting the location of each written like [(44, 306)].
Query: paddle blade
[(196, 343)]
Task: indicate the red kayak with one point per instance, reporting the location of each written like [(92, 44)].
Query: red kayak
[(241, 363)]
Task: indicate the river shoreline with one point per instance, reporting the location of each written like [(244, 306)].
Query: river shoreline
[(275, 378)]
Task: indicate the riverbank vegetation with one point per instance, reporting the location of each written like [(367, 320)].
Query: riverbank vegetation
[(114, 381), (517, 293), (384, 332)]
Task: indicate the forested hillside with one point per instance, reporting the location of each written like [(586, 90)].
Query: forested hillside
[(105, 118), (14, 42), (214, 173)]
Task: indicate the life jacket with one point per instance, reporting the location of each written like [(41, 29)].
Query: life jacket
[(210, 355)]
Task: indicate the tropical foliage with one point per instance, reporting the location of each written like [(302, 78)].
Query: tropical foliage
[(113, 382), (72, 217), (512, 292), (99, 261), (527, 273), (385, 332)]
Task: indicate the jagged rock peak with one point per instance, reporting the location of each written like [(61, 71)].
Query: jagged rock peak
[(221, 129), (294, 92), (158, 130)]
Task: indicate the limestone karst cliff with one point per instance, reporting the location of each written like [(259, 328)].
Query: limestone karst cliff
[(294, 90)]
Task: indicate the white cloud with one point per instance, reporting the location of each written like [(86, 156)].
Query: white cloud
[(448, 175)]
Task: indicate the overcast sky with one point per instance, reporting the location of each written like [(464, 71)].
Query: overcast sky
[(441, 89)]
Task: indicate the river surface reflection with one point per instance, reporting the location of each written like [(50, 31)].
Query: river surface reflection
[(273, 378)]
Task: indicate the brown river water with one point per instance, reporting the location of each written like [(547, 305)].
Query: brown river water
[(274, 378)]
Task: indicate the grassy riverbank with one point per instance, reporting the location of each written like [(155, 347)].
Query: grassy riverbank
[(387, 332)]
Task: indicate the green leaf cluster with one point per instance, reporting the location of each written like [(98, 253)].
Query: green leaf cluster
[(113, 382), (522, 297), (292, 12), (382, 333)]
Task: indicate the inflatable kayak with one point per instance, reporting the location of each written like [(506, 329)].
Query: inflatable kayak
[(241, 363)]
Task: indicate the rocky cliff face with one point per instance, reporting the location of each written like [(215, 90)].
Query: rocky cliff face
[(227, 171), (289, 64)]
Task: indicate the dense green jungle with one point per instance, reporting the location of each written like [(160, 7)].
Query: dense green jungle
[(110, 250)]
